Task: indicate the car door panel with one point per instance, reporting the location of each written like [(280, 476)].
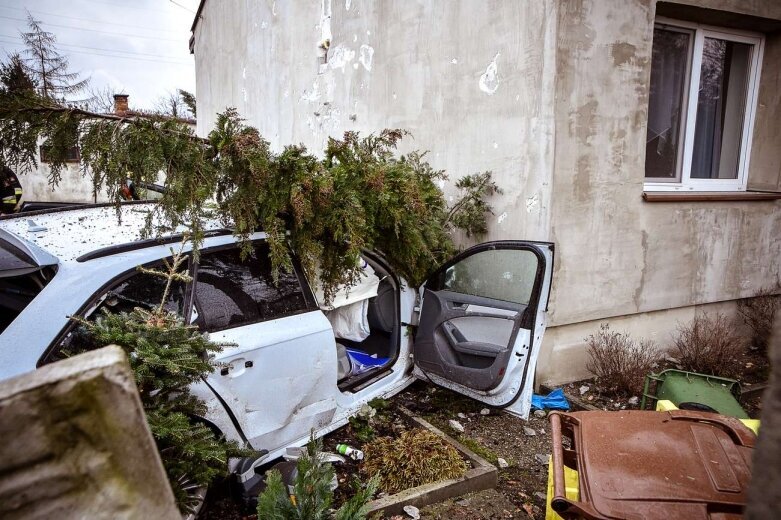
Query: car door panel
[(288, 387), (481, 322)]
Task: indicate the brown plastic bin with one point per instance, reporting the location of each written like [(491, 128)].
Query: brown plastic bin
[(651, 465)]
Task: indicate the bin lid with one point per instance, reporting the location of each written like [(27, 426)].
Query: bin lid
[(688, 387), (676, 464)]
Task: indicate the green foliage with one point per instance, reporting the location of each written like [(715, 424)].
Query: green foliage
[(414, 458), (469, 212), (166, 356), (311, 494), (361, 195)]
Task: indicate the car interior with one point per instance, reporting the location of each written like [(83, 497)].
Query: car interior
[(380, 348), (20, 282)]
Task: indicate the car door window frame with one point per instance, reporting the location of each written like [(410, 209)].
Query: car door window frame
[(101, 293), (527, 320), (309, 299)]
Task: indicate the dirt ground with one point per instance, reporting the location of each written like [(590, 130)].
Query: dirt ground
[(493, 435), (522, 484)]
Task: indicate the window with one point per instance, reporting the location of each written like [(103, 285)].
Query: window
[(231, 292), (73, 154), (499, 274), (137, 290), (701, 107)]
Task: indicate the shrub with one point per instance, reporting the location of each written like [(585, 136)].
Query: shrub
[(709, 345), (414, 458), (758, 313), (619, 362), (312, 491)]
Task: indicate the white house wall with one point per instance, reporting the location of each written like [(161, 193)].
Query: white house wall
[(552, 97)]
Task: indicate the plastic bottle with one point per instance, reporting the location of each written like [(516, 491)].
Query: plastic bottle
[(347, 451)]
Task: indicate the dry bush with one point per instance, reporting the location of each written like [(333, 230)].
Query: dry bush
[(709, 345), (619, 362), (414, 458), (758, 313)]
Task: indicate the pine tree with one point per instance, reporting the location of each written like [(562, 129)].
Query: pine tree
[(47, 66), (188, 99), (14, 77), (166, 356), (311, 494)]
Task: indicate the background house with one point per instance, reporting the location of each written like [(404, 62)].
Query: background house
[(641, 137), (75, 186)]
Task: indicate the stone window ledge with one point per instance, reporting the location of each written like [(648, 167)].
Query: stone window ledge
[(708, 196)]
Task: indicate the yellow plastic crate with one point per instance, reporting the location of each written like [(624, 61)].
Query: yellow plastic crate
[(571, 490)]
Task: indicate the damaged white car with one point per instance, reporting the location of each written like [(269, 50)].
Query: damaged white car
[(297, 366)]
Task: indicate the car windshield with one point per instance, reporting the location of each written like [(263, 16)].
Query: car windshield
[(21, 279)]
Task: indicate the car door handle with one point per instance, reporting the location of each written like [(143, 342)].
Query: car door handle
[(236, 367)]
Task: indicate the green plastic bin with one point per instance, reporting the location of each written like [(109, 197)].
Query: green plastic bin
[(694, 390)]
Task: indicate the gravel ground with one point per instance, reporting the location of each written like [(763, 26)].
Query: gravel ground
[(522, 484)]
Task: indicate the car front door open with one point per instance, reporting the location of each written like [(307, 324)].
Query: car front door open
[(482, 319)]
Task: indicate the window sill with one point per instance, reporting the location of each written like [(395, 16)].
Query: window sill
[(708, 196)]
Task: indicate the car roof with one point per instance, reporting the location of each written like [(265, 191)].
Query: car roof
[(71, 233)]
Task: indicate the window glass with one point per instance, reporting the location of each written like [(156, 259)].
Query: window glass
[(141, 290), (506, 274), (720, 108), (666, 105), (230, 291), (701, 94)]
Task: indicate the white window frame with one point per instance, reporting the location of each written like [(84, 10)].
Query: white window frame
[(687, 183)]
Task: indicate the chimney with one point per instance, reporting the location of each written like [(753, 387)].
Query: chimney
[(120, 104)]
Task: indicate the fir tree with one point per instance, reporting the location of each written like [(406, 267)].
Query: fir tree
[(14, 77), (311, 494), (167, 356), (47, 66), (188, 99)]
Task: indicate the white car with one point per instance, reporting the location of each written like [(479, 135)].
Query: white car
[(475, 327)]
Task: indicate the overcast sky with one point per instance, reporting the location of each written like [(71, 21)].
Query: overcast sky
[(139, 47)]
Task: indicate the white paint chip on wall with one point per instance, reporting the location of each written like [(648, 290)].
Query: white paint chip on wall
[(531, 203), (489, 80), (366, 56)]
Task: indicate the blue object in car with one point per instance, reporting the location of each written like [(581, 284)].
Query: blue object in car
[(361, 362)]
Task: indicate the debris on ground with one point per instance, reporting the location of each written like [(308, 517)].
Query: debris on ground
[(542, 458), (485, 411), (584, 389), (457, 426), (502, 463), (529, 431), (413, 512)]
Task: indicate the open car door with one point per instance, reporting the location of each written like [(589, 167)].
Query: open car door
[(482, 318)]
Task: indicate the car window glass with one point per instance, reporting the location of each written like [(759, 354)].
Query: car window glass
[(500, 274), (142, 290), (231, 291)]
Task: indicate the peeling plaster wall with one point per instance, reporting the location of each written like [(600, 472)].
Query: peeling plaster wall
[(620, 257), (551, 96), (472, 82)]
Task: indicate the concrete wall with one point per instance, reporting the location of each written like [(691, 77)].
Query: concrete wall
[(474, 85), (75, 444), (73, 187), (550, 95)]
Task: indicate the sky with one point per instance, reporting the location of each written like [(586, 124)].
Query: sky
[(137, 47)]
